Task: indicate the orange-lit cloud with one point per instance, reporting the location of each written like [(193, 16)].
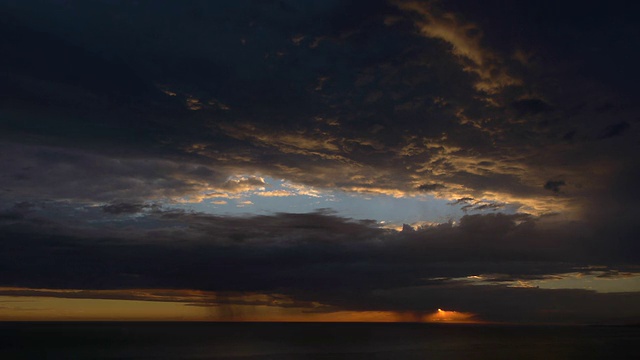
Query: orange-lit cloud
[(302, 189), (243, 183), (244, 203), (441, 315), (275, 193), (310, 143), (465, 39)]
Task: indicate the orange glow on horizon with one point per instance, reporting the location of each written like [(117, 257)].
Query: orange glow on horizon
[(22, 304), (450, 316)]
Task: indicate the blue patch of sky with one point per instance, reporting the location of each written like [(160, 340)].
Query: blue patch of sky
[(411, 210)]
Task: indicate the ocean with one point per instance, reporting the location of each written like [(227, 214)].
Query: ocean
[(262, 341)]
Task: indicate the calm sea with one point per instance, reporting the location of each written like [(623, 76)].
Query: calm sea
[(313, 341)]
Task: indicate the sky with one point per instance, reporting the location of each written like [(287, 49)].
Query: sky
[(280, 160)]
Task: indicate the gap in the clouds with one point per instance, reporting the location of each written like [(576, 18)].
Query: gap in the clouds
[(283, 196)]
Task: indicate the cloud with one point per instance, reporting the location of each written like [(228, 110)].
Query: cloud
[(243, 184), (46, 172), (465, 40), (302, 189), (430, 187), (275, 193), (17, 212), (554, 185), (124, 208), (463, 200), (483, 205), (193, 104), (377, 142), (342, 263), (614, 130), (315, 143), (614, 274), (531, 106), (244, 203)]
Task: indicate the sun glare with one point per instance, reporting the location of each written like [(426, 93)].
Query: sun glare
[(449, 316)]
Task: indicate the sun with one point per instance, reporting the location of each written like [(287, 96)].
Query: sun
[(449, 316)]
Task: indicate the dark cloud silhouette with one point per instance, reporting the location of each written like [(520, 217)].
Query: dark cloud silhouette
[(45, 172), (16, 212), (614, 130), (554, 185), (480, 205), (431, 187), (10, 216), (531, 106), (464, 200), (342, 263), (125, 208)]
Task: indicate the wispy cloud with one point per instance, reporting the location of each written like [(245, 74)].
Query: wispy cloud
[(465, 40)]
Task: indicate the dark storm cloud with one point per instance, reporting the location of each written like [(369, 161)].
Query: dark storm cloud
[(263, 75), (57, 173), (10, 216), (339, 262), (16, 212), (321, 94), (125, 208)]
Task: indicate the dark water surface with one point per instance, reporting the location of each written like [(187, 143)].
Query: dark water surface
[(312, 341)]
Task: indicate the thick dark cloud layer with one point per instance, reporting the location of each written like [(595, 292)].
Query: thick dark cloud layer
[(320, 94), (111, 113), (341, 263)]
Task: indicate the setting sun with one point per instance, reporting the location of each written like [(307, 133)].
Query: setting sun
[(450, 316)]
